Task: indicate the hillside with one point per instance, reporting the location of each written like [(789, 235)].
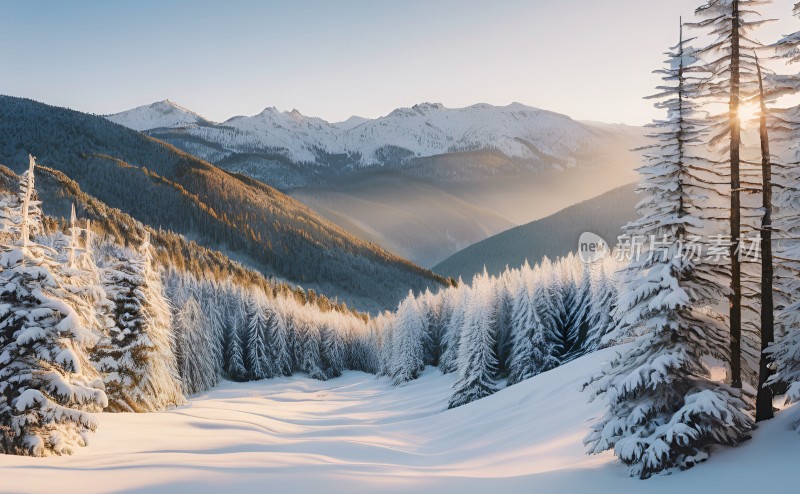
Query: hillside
[(554, 236), (361, 434), (163, 187)]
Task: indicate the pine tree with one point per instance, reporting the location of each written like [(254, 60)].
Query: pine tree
[(530, 353), (333, 349), (214, 311), (137, 354), (506, 286), (408, 346), (731, 75), (764, 392), (47, 385), (457, 301), (664, 411), (279, 347), (259, 364), (195, 348), (784, 126), (601, 314), (477, 362), (311, 343), (235, 317), (562, 309)]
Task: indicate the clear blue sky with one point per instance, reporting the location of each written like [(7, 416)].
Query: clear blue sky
[(590, 59)]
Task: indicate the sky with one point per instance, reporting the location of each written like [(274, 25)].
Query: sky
[(589, 59)]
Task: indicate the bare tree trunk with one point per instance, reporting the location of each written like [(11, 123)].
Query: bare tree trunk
[(735, 219), (764, 396)]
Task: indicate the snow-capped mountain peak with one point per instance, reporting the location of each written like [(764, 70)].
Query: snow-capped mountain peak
[(425, 129), (161, 114)]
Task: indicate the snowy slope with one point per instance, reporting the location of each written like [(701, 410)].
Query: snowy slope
[(161, 114), (426, 129), (359, 434)]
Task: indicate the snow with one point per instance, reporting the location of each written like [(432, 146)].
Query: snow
[(360, 434), (161, 114), (425, 129)]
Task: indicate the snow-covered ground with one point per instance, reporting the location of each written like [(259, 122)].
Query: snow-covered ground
[(359, 434)]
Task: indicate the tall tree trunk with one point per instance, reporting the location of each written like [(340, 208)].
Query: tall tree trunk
[(764, 396), (735, 219)]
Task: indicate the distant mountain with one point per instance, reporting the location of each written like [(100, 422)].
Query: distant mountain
[(532, 138), (160, 115), (554, 236), (248, 220), (424, 181)]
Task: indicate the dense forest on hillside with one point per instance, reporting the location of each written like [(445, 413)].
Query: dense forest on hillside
[(164, 187)]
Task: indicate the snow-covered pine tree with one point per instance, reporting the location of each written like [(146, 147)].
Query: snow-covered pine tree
[(310, 347), (258, 359), (333, 346), (457, 302), (477, 362), (279, 344), (236, 321), (363, 345), (505, 288), (530, 353), (563, 298), (137, 355), (579, 317), (386, 326), (729, 71), (195, 348), (784, 126), (664, 411), (602, 310), (47, 384), (408, 342), (211, 301), (430, 305)]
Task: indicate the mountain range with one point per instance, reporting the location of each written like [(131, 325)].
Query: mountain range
[(425, 181), (249, 221)]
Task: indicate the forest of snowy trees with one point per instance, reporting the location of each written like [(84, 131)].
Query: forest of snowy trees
[(87, 324), (685, 314)]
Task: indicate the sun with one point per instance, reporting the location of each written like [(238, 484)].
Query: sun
[(749, 114)]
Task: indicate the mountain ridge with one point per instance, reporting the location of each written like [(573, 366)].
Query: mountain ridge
[(162, 186)]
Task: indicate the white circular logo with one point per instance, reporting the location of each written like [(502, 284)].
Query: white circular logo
[(592, 248)]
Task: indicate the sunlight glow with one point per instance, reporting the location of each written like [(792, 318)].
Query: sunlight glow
[(749, 115)]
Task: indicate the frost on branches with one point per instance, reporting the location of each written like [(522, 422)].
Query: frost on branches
[(137, 355), (664, 411), (47, 384)]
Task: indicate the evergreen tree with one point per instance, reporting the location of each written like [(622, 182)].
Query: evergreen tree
[(477, 362), (195, 348), (457, 299), (47, 384), (664, 411), (259, 364), (279, 347), (311, 343), (784, 124), (601, 314), (530, 352), (333, 349), (730, 77), (408, 345), (137, 354), (236, 317)]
